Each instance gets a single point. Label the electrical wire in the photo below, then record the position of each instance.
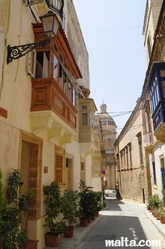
(107, 30)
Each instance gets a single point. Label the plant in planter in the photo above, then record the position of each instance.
(154, 202)
(70, 210)
(56, 225)
(12, 213)
(96, 203)
(99, 201)
(162, 215)
(85, 203)
(92, 204)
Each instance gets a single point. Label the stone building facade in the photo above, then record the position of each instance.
(41, 95)
(143, 133)
(131, 171)
(153, 32)
(107, 138)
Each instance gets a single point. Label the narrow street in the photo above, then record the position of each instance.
(122, 219)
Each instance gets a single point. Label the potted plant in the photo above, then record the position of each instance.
(12, 213)
(154, 203)
(162, 215)
(55, 224)
(95, 204)
(92, 204)
(85, 203)
(70, 210)
(99, 202)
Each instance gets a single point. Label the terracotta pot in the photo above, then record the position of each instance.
(153, 213)
(162, 220)
(97, 214)
(1, 242)
(51, 240)
(70, 232)
(89, 219)
(84, 222)
(32, 244)
(93, 217)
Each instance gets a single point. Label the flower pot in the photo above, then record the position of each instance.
(70, 232)
(51, 240)
(1, 242)
(93, 217)
(89, 219)
(162, 220)
(84, 222)
(97, 214)
(32, 244)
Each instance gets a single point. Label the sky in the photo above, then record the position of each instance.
(115, 44)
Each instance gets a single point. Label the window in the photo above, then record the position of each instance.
(154, 94)
(51, 63)
(127, 157)
(32, 63)
(84, 119)
(42, 64)
(154, 173)
(140, 147)
(130, 155)
(82, 173)
(58, 168)
(163, 88)
(55, 68)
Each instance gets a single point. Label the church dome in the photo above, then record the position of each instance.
(103, 115)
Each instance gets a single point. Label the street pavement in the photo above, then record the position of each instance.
(119, 219)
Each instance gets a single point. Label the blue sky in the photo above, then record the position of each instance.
(112, 32)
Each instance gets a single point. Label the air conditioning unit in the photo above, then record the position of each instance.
(32, 2)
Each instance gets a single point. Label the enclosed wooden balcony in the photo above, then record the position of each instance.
(157, 96)
(51, 110)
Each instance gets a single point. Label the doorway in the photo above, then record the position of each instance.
(30, 167)
(68, 173)
(163, 176)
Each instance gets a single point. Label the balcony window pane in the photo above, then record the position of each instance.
(84, 119)
(162, 73)
(157, 92)
(163, 88)
(55, 68)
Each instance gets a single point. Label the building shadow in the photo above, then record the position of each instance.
(117, 229)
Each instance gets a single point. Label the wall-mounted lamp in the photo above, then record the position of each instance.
(50, 24)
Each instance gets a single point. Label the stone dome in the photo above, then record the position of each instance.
(104, 114)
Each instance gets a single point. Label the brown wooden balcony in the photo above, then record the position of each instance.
(47, 95)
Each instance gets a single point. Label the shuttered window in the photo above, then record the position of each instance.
(58, 168)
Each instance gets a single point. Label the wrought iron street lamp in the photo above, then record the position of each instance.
(50, 24)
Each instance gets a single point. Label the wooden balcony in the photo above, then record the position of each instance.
(159, 121)
(51, 109)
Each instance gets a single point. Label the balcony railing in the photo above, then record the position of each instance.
(47, 95)
(43, 6)
(56, 6)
